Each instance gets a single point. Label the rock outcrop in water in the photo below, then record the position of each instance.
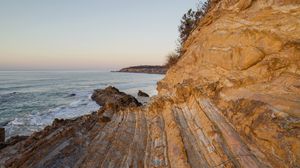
(232, 100)
(142, 94)
(112, 95)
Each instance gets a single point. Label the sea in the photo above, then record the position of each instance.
(31, 100)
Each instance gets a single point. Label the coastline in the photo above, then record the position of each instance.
(235, 105)
(109, 98)
(38, 106)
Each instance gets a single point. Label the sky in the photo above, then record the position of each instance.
(88, 34)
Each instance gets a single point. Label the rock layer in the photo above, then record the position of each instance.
(232, 100)
(2, 135)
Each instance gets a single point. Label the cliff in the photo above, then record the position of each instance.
(232, 100)
(145, 69)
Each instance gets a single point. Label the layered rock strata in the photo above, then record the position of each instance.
(232, 100)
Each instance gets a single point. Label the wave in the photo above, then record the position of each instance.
(32, 100)
(28, 124)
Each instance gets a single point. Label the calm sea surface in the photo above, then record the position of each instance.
(31, 100)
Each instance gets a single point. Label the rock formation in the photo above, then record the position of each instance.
(142, 94)
(112, 95)
(232, 100)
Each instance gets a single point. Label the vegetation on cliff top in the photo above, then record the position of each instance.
(188, 23)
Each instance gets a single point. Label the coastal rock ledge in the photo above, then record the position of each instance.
(232, 100)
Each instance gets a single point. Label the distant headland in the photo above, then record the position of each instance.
(150, 69)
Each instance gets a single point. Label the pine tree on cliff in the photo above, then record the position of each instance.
(187, 25)
(189, 22)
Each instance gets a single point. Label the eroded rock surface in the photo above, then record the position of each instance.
(232, 100)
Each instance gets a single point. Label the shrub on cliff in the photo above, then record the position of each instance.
(172, 59)
(188, 23)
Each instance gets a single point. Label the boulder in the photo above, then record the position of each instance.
(72, 95)
(142, 94)
(112, 95)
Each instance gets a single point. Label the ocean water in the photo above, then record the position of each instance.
(31, 100)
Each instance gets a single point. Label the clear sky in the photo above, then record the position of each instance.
(87, 34)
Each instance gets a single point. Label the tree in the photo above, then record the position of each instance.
(189, 22)
(187, 25)
(172, 59)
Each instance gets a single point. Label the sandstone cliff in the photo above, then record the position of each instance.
(232, 100)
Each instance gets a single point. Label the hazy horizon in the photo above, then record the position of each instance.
(93, 35)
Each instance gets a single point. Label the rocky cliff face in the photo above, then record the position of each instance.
(233, 100)
(238, 85)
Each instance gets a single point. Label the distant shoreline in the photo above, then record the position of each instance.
(149, 69)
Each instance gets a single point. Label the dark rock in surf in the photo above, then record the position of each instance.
(114, 97)
(71, 95)
(142, 94)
